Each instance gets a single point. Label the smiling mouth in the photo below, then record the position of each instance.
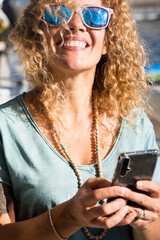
(72, 44)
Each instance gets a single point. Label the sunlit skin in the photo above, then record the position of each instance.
(73, 62)
(81, 51)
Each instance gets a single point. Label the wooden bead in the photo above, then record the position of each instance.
(88, 234)
(62, 148)
(85, 229)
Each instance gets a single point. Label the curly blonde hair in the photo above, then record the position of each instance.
(120, 79)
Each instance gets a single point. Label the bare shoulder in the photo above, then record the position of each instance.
(7, 214)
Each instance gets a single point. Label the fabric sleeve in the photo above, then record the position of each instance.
(4, 173)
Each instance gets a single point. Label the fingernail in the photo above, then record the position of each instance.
(140, 184)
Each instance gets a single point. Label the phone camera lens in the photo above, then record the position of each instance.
(125, 168)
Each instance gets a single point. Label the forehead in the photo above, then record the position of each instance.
(79, 3)
(89, 2)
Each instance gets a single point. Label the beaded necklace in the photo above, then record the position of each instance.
(62, 149)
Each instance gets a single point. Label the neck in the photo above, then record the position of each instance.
(78, 92)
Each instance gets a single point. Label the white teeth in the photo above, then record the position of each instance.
(75, 44)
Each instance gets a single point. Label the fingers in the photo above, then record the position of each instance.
(97, 195)
(107, 209)
(148, 202)
(84, 203)
(95, 183)
(113, 220)
(144, 214)
(129, 218)
(97, 189)
(138, 217)
(144, 217)
(149, 186)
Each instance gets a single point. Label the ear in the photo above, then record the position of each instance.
(104, 50)
(105, 47)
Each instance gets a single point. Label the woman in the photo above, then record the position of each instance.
(60, 141)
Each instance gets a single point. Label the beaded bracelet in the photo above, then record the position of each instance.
(52, 225)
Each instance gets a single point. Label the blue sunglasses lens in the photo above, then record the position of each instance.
(95, 17)
(57, 17)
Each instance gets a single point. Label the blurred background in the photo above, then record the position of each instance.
(145, 12)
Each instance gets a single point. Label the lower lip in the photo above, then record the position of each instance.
(75, 48)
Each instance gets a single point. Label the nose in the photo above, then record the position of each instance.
(76, 23)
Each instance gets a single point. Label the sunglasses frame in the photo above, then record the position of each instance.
(79, 12)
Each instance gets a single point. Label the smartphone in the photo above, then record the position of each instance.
(134, 166)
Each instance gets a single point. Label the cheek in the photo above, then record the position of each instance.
(53, 31)
(100, 40)
(51, 35)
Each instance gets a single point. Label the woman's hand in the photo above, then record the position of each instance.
(86, 212)
(150, 211)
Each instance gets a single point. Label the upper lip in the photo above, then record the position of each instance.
(74, 38)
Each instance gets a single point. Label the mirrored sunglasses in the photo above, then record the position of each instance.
(92, 17)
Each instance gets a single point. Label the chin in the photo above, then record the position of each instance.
(73, 67)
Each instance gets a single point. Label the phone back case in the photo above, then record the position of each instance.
(134, 166)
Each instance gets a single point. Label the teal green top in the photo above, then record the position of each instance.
(41, 178)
